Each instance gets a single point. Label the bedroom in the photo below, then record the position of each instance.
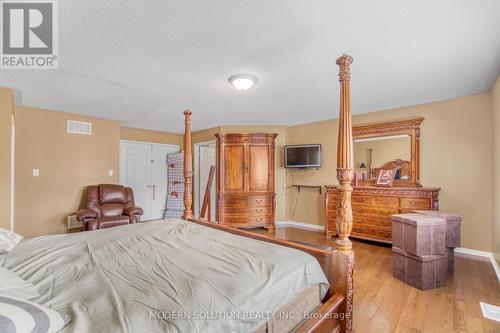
(132, 70)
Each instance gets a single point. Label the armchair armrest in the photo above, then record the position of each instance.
(133, 211)
(86, 214)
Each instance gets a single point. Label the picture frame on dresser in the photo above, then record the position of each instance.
(386, 177)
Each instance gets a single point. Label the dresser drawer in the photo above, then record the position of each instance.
(372, 220)
(361, 199)
(250, 211)
(237, 220)
(375, 210)
(259, 200)
(250, 200)
(415, 203)
(386, 201)
(365, 209)
(373, 233)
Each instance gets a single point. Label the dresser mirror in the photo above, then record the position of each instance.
(388, 145)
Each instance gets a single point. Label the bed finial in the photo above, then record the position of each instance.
(345, 157)
(188, 167)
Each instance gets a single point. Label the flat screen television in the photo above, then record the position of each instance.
(303, 156)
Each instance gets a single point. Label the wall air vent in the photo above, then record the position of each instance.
(79, 127)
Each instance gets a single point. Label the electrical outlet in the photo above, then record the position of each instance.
(110, 172)
(36, 172)
(73, 222)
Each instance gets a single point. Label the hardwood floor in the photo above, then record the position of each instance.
(382, 303)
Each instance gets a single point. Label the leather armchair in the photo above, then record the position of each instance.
(107, 206)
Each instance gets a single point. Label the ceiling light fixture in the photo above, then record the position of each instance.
(243, 81)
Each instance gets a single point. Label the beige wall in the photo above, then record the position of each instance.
(137, 134)
(67, 163)
(456, 154)
(280, 174)
(457, 145)
(496, 169)
(205, 135)
(5, 152)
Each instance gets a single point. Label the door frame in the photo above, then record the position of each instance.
(177, 147)
(196, 174)
(150, 143)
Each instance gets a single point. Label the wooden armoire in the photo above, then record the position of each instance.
(245, 179)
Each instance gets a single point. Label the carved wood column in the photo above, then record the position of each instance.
(343, 257)
(345, 157)
(188, 168)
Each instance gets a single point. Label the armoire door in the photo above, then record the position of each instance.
(260, 168)
(234, 168)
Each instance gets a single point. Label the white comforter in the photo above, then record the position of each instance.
(163, 276)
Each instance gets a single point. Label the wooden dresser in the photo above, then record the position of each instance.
(245, 179)
(373, 206)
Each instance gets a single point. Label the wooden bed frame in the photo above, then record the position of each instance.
(335, 315)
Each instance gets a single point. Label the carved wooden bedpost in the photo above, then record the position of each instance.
(343, 264)
(345, 157)
(188, 168)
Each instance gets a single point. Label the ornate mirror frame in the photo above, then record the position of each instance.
(410, 127)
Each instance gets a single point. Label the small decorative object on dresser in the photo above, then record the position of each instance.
(394, 146)
(386, 177)
(245, 179)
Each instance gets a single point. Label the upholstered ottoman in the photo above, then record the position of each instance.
(419, 234)
(453, 222)
(421, 272)
(450, 259)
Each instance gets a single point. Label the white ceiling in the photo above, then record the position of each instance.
(144, 62)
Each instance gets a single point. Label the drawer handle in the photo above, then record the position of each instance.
(258, 220)
(259, 210)
(259, 200)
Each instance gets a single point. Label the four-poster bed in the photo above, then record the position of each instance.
(166, 275)
(335, 315)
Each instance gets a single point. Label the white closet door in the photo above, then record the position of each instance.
(135, 172)
(207, 159)
(159, 178)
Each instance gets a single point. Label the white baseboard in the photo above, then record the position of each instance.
(481, 254)
(299, 225)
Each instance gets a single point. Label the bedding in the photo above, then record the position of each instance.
(8, 240)
(163, 276)
(13, 286)
(21, 316)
